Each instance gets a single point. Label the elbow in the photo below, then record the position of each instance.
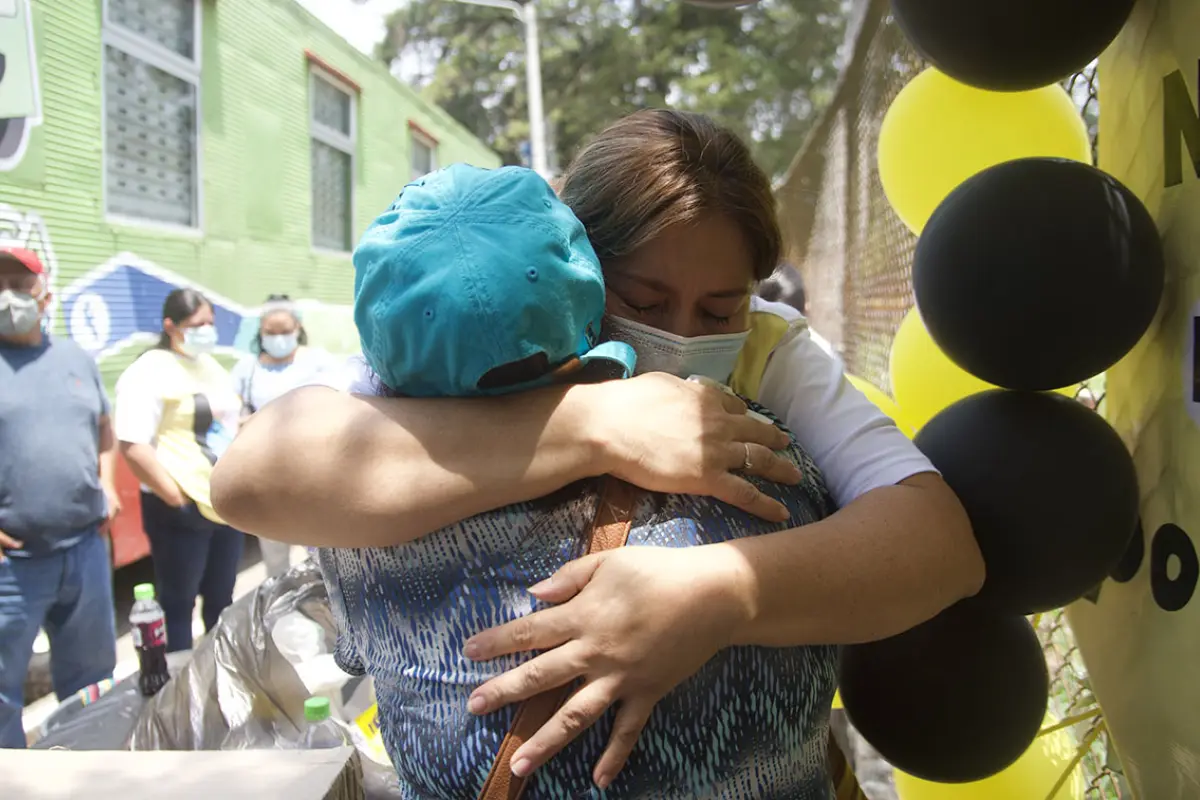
(968, 567)
(258, 469)
(227, 494)
(974, 570)
(963, 568)
(233, 493)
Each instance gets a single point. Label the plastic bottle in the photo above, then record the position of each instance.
(322, 732)
(148, 627)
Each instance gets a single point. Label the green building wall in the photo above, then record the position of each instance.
(254, 236)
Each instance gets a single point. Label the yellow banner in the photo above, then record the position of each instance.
(1140, 637)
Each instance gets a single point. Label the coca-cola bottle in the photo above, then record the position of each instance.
(148, 627)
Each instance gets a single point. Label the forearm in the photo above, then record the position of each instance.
(108, 458)
(144, 464)
(320, 467)
(888, 561)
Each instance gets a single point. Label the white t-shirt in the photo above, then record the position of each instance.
(855, 445)
(258, 384)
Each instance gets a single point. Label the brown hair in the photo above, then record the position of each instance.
(660, 167)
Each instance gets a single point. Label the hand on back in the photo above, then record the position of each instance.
(666, 434)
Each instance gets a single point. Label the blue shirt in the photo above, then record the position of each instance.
(752, 723)
(51, 402)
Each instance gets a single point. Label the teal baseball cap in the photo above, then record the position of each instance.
(479, 282)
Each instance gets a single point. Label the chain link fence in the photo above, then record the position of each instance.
(856, 259)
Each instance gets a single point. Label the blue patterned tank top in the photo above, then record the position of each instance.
(751, 723)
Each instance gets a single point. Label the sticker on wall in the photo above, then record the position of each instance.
(20, 98)
(120, 303)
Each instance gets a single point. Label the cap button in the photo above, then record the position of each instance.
(532, 274)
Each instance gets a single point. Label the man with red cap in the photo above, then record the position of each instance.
(56, 495)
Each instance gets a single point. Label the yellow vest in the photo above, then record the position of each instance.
(767, 330)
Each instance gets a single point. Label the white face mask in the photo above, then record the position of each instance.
(683, 356)
(280, 345)
(19, 313)
(201, 339)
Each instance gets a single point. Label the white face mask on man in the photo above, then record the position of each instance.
(683, 356)
(19, 313)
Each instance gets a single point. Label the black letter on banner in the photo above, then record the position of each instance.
(1173, 594)
(1179, 120)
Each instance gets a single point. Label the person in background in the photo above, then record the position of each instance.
(56, 495)
(280, 360)
(786, 285)
(176, 412)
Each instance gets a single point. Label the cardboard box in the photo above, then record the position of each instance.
(200, 775)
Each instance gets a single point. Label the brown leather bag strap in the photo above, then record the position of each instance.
(610, 529)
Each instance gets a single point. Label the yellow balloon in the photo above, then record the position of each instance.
(924, 379)
(939, 132)
(885, 404)
(1030, 778)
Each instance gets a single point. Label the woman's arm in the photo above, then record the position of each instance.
(136, 417)
(638, 621)
(321, 467)
(887, 562)
(144, 464)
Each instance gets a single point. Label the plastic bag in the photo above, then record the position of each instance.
(244, 687)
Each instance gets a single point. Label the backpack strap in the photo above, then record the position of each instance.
(610, 529)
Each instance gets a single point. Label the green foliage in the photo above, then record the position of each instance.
(765, 70)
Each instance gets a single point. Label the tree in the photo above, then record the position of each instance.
(765, 70)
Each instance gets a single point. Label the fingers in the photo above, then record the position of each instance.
(733, 404)
(751, 430)
(740, 493)
(632, 716)
(764, 463)
(540, 630)
(578, 714)
(9, 543)
(549, 670)
(569, 580)
(729, 401)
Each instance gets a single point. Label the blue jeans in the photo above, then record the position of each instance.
(69, 594)
(193, 557)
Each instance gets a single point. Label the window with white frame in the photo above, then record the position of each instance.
(151, 110)
(424, 152)
(331, 124)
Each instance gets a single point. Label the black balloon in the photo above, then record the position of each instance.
(1038, 273)
(1011, 45)
(1050, 490)
(956, 699)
